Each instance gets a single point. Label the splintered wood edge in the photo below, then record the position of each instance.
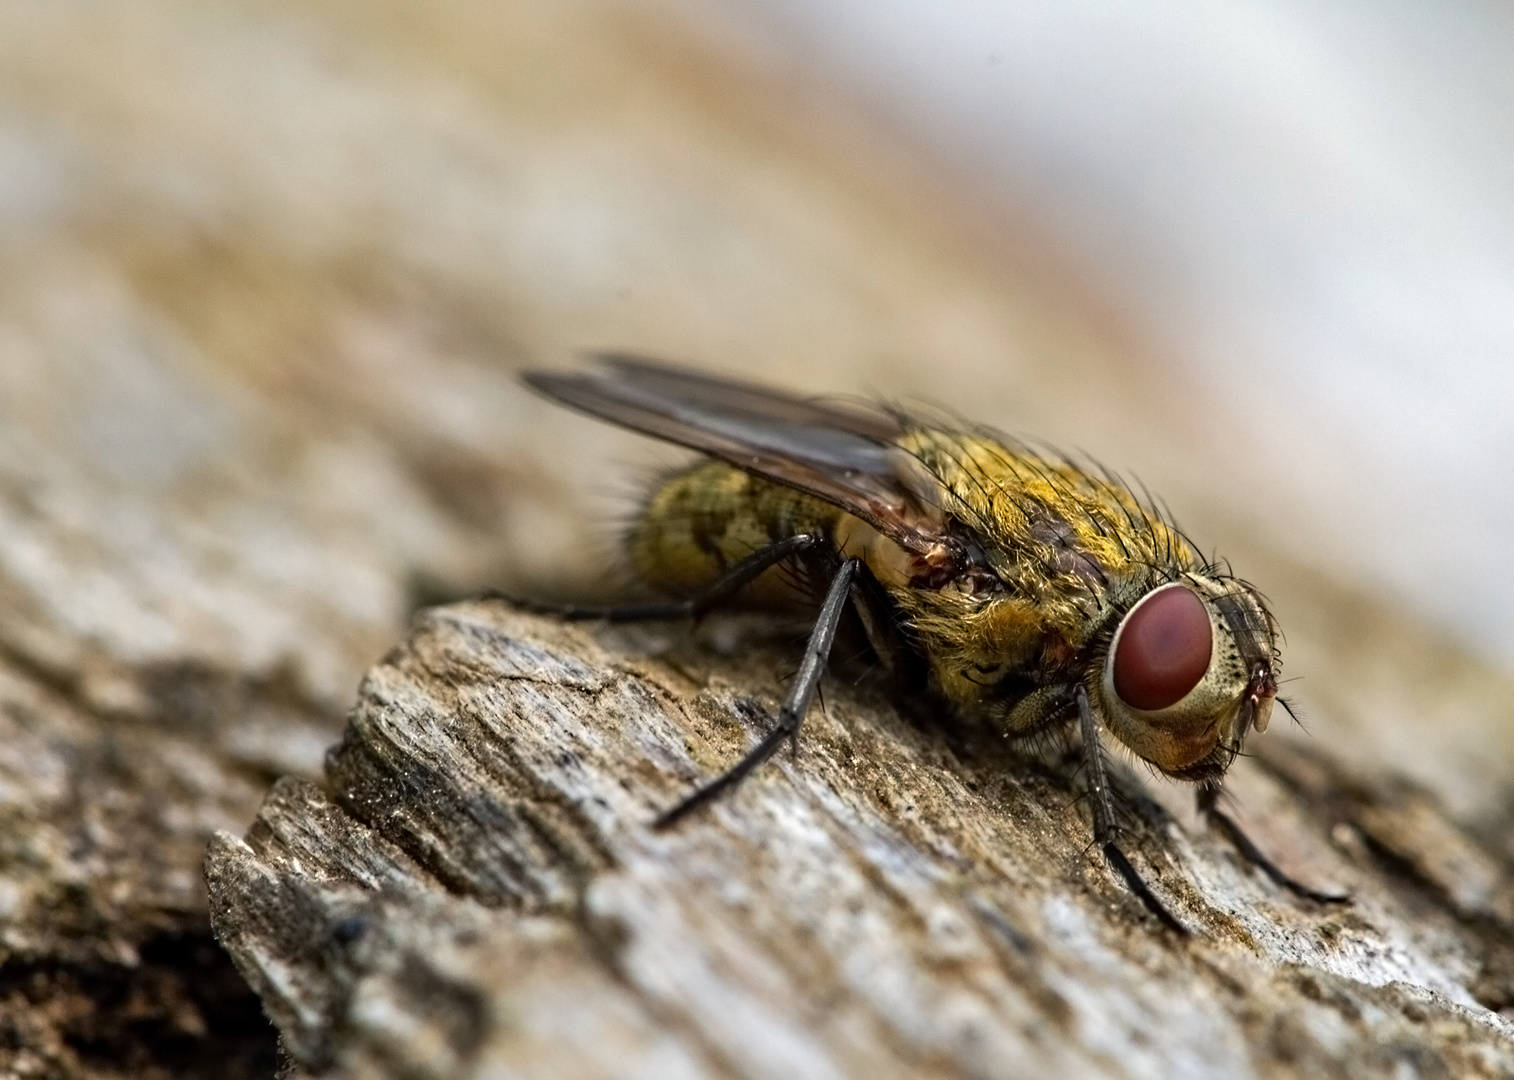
(477, 873)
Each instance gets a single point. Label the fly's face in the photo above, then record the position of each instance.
(1190, 670)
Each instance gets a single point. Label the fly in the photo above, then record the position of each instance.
(1021, 590)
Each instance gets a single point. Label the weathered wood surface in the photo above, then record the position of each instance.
(474, 891)
(267, 274)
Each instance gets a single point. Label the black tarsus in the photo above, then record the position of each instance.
(712, 595)
(1208, 806)
(1121, 864)
(795, 705)
(1104, 827)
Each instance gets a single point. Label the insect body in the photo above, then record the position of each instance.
(1023, 591)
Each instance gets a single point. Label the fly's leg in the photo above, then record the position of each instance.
(795, 705)
(711, 596)
(1104, 828)
(1208, 805)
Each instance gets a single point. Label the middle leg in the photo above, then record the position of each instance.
(795, 705)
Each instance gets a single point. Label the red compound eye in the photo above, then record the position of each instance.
(1164, 649)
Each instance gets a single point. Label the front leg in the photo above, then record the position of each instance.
(1104, 828)
(1208, 807)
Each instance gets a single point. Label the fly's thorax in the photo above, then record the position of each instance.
(1040, 520)
(1189, 670)
(699, 522)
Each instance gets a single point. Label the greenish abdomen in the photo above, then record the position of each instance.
(701, 522)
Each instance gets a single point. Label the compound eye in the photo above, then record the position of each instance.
(1164, 649)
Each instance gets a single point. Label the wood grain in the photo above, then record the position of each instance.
(475, 891)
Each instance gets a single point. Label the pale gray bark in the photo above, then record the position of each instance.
(475, 891)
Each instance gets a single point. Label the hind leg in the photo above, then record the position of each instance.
(711, 596)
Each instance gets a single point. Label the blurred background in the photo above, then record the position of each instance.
(1309, 210)
(267, 271)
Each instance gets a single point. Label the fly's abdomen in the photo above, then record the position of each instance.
(700, 522)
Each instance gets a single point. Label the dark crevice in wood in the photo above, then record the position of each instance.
(181, 1012)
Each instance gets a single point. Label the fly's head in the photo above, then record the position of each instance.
(1189, 671)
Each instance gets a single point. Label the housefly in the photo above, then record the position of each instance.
(1021, 590)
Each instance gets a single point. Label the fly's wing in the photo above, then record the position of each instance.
(846, 457)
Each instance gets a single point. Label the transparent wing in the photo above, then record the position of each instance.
(845, 456)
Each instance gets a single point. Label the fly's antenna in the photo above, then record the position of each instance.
(1288, 708)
